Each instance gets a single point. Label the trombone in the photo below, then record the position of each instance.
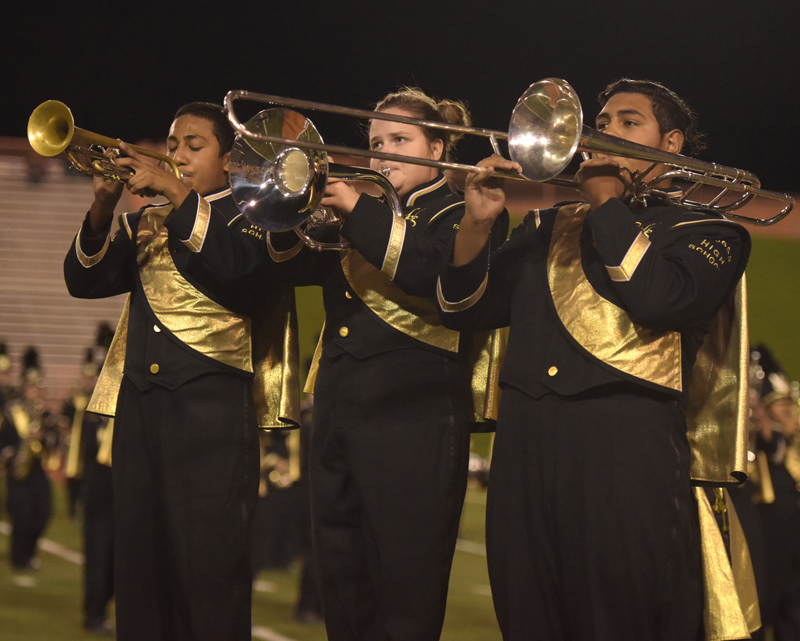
(278, 185)
(545, 132)
(51, 130)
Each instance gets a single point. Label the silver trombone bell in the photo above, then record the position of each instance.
(278, 186)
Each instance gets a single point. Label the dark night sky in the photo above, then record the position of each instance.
(124, 69)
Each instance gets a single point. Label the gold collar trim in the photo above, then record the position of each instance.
(425, 190)
(217, 195)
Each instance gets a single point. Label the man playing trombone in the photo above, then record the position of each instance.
(592, 526)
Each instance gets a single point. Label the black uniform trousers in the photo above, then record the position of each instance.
(185, 468)
(388, 462)
(98, 542)
(592, 531)
(29, 507)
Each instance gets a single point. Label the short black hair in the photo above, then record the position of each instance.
(217, 116)
(670, 110)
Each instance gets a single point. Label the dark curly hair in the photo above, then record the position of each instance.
(217, 116)
(670, 110)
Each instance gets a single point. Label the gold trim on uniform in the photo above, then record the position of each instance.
(74, 467)
(106, 391)
(220, 194)
(106, 441)
(90, 261)
(415, 316)
(460, 306)
(200, 229)
(703, 221)
(194, 319)
(637, 250)
(600, 327)
(446, 209)
(311, 379)
(276, 354)
(537, 218)
(718, 396)
(208, 328)
(285, 255)
(395, 246)
(127, 224)
(730, 602)
(413, 197)
(486, 360)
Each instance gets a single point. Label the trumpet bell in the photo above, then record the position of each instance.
(277, 186)
(545, 129)
(50, 128)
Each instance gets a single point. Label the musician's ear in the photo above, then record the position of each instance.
(672, 141)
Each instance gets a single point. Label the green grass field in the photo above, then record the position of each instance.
(50, 608)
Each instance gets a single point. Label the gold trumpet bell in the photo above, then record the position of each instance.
(50, 128)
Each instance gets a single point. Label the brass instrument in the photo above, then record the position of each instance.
(545, 132)
(29, 427)
(278, 187)
(51, 130)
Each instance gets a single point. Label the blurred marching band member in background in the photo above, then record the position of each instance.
(28, 437)
(777, 475)
(89, 470)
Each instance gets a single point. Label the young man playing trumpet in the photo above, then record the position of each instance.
(179, 381)
(592, 525)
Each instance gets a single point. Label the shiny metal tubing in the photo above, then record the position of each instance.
(240, 94)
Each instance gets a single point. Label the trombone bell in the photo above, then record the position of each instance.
(545, 129)
(276, 187)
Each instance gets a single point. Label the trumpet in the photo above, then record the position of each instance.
(51, 130)
(545, 133)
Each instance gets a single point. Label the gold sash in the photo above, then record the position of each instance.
(414, 316)
(209, 329)
(417, 317)
(717, 406)
(600, 327)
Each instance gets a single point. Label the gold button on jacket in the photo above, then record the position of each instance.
(154, 368)
(552, 371)
(343, 331)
